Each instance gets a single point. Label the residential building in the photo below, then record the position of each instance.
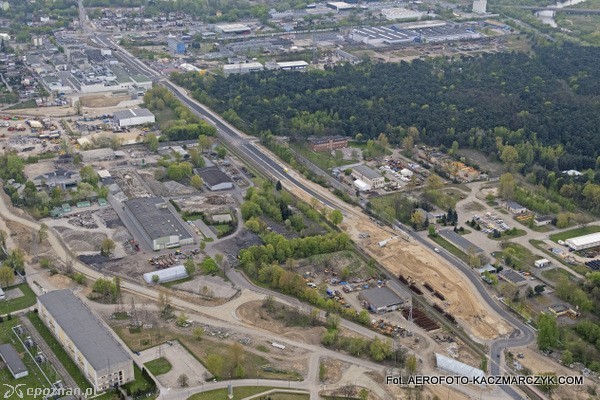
(133, 117)
(368, 176)
(327, 143)
(86, 339)
(214, 179)
(383, 299)
(159, 226)
(13, 362)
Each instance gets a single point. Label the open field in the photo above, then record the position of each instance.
(452, 249)
(556, 274)
(101, 101)
(519, 256)
(21, 106)
(57, 349)
(584, 230)
(323, 160)
(27, 300)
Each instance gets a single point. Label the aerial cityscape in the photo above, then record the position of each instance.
(300, 200)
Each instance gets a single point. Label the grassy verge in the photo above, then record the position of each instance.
(140, 383)
(556, 274)
(505, 235)
(323, 160)
(27, 300)
(23, 105)
(59, 352)
(584, 230)
(384, 206)
(238, 393)
(159, 366)
(450, 248)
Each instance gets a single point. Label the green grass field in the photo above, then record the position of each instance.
(34, 380)
(504, 235)
(522, 257)
(584, 230)
(60, 353)
(159, 366)
(26, 104)
(323, 160)
(140, 383)
(27, 300)
(245, 391)
(450, 248)
(556, 274)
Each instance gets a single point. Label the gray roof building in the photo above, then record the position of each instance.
(383, 299)
(214, 178)
(85, 330)
(154, 219)
(12, 360)
(366, 172)
(133, 112)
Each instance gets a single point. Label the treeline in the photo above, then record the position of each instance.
(186, 125)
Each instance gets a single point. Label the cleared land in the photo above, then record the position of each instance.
(243, 392)
(102, 101)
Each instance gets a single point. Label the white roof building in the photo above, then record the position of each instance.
(167, 275)
(456, 367)
(361, 185)
(584, 242)
(133, 116)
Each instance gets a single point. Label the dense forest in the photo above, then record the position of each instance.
(550, 101)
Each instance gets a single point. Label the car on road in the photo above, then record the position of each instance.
(436, 249)
(137, 353)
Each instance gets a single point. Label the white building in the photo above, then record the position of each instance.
(166, 275)
(541, 263)
(133, 116)
(242, 68)
(360, 185)
(480, 6)
(584, 242)
(369, 176)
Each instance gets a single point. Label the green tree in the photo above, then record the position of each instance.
(16, 260)
(547, 332)
(151, 141)
(380, 350)
(204, 142)
(562, 220)
(417, 218)
(107, 247)
(190, 266)
(506, 188)
(567, 358)
(509, 156)
(411, 364)
(215, 363)
(42, 233)
(197, 182)
(7, 276)
(198, 333)
(89, 175)
(433, 182)
(336, 217)
(333, 321)
(155, 279)
(549, 385)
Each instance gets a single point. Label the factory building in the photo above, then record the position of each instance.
(159, 226)
(371, 177)
(242, 68)
(237, 29)
(215, 179)
(584, 242)
(383, 299)
(86, 339)
(133, 117)
(176, 46)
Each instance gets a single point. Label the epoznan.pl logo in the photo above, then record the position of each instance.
(13, 390)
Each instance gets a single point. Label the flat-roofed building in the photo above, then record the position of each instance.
(13, 362)
(584, 242)
(369, 176)
(383, 299)
(133, 117)
(214, 179)
(86, 339)
(242, 68)
(327, 143)
(233, 29)
(159, 226)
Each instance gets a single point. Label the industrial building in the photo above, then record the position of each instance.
(541, 263)
(514, 207)
(327, 143)
(242, 68)
(288, 65)
(513, 277)
(133, 117)
(382, 35)
(159, 226)
(340, 5)
(382, 299)
(176, 46)
(237, 29)
(371, 177)
(166, 275)
(86, 339)
(214, 179)
(105, 154)
(13, 362)
(584, 242)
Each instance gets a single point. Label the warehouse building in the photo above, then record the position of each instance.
(13, 362)
(382, 299)
(86, 339)
(106, 154)
(229, 29)
(242, 68)
(371, 177)
(584, 242)
(159, 226)
(456, 367)
(287, 65)
(327, 143)
(166, 275)
(133, 117)
(176, 46)
(215, 179)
